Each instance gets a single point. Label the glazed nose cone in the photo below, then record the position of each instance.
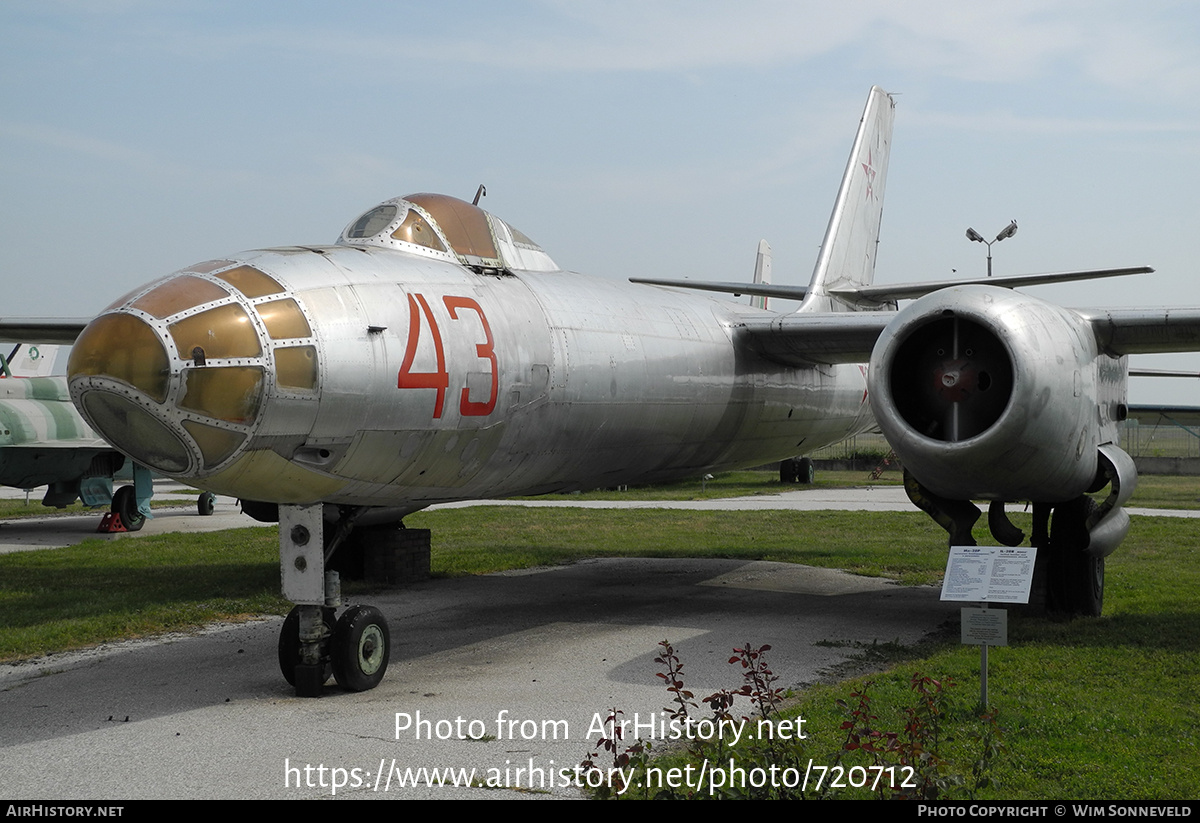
(127, 372)
(174, 377)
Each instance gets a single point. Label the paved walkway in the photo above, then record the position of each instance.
(51, 531)
(862, 498)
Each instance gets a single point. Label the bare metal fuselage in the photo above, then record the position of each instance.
(435, 382)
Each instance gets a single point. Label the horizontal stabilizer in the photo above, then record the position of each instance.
(41, 330)
(1163, 373)
(736, 289)
(902, 291)
(883, 294)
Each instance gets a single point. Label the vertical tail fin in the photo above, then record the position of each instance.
(762, 272)
(847, 254)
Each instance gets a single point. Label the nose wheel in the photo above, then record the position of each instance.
(354, 650)
(360, 648)
(289, 645)
(206, 503)
(312, 646)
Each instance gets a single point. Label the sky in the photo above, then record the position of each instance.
(629, 138)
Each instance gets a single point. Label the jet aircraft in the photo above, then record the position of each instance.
(437, 353)
(44, 441)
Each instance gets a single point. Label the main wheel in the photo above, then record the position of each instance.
(806, 471)
(205, 503)
(788, 471)
(1078, 586)
(124, 503)
(1076, 577)
(360, 648)
(289, 644)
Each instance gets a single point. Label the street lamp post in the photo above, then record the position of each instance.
(1007, 231)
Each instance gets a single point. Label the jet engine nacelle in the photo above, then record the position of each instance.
(986, 393)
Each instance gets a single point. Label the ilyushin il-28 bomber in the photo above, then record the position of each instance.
(436, 353)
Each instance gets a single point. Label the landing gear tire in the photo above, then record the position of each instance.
(289, 644)
(787, 471)
(205, 503)
(124, 503)
(1076, 584)
(360, 648)
(806, 471)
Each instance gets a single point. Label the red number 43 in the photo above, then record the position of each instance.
(440, 379)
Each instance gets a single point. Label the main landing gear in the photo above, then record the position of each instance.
(354, 649)
(1072, 539)
(1072, 570)
(359, 648)
(797, 470)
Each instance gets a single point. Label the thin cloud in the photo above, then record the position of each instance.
(1008, 122)
(1150, 50)
(84, 145)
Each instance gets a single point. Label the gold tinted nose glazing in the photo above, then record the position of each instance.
(176, 375)
(225, 331)
(123, 348)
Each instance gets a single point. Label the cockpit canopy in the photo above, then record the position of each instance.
(437, 225)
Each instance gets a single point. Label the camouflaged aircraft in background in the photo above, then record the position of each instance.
(44, 441)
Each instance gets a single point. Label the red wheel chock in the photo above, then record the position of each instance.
(111, 522)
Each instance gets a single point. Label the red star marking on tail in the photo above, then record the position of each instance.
(870, 172)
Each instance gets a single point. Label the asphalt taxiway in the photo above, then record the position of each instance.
(532, 658)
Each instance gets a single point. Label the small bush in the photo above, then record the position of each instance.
(765, 755)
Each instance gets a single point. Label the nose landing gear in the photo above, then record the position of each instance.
(356, 648)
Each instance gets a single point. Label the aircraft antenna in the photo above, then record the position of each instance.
(479, 192)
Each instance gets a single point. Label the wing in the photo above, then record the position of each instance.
(42, 329)
(806, 339)
(1144, 331)
(850, 337)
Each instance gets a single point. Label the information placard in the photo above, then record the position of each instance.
(989, 574)
(984, 627)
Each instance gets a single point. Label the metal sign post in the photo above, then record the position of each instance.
(987, 574)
